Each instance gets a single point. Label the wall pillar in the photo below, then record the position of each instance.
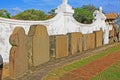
(106, 36)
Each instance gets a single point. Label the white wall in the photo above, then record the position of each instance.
(62, 23)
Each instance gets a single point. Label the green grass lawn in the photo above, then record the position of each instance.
(56, 73)
(112, 73)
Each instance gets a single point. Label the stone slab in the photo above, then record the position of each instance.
(61, 45)
(98, 38)
(89, 41)
(40, 44)
(18, 59)
(75, 42)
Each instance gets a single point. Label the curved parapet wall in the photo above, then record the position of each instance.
(62, 23)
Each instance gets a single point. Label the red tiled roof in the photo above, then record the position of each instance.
(111, 16)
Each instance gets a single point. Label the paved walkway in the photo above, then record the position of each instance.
(92, 69)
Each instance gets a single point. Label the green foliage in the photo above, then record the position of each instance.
(4, 13)
(31, 14)
(51, 12)
(84, 14)
(89, 8)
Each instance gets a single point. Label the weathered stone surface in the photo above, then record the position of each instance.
(61, 45)
(119, 37)
(111, 36)
(75, 42)
(12, 62)
(30, 44)
(52, 46)
(98, 38)
(40, 44)
(14, 40)
(89, 41)
(18, 59)
(29, 50)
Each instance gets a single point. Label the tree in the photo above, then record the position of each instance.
(4, 13)
(89, 8)
(52, 12)
(31, 14)
(84, 14)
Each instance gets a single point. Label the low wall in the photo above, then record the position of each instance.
(36, 48)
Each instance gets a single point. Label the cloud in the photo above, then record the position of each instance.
(16, 9)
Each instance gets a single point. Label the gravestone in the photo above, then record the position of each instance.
(18, 59)
(39, 38)
(89, 41)
(61, 46)
(75, 42)
(98, 38)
